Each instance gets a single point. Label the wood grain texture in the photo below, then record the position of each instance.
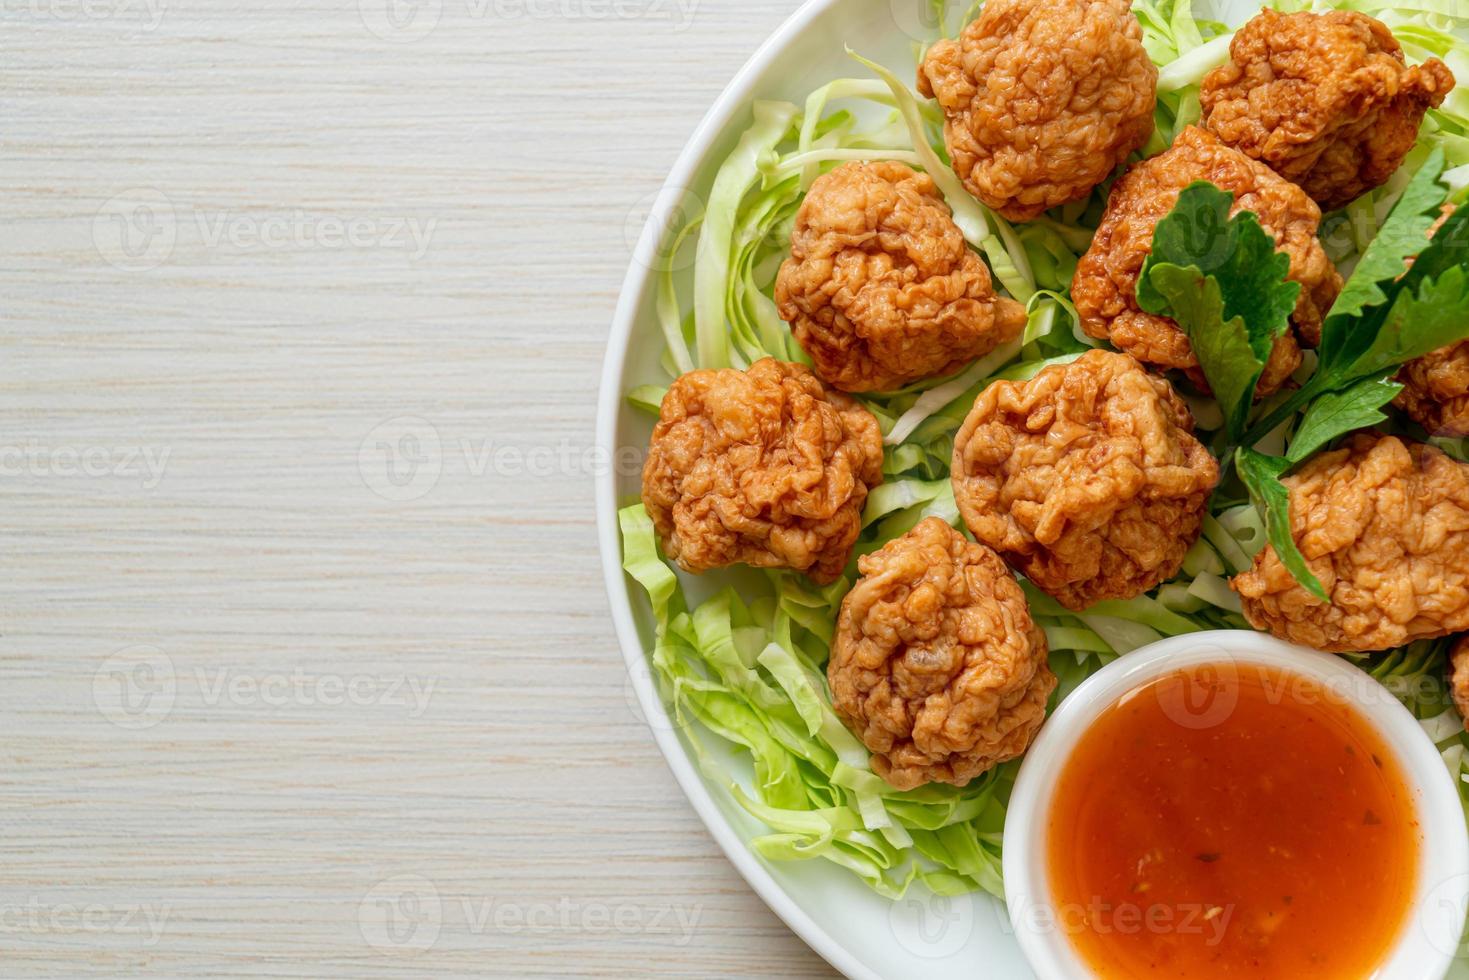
(305, 663)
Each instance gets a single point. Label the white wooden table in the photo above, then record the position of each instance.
(305, 664)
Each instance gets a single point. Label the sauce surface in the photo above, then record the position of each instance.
(1224, 823)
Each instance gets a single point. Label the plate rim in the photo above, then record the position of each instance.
(733, 99)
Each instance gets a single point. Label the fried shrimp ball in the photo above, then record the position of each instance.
(766, 467)
(1436, 390)
(881, 289)
(1326, 100)
(1459, 678)
(1042, 99)
(1384, 525)
(1105, 285)
(937, 665)
(1087, 478)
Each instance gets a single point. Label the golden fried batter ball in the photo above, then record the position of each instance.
(1087, 478)
(937, 665)
(1436, 390)
(1105, 284)
(1326, 100)
(1384, 524)
(1042, 99)
(766, 467)
(1459, 678)
(880, 289)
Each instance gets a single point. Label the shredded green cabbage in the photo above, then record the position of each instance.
(746, 667)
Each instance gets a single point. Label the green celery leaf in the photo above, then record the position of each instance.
(1403, 234)
(1429, 310)
(1222, 346)
(1434, 315)
(1340, 412)
(1222, 280)
(1261, 474)
(1348, 336)
(1199, 232)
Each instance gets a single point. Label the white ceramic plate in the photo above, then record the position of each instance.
(858, 932)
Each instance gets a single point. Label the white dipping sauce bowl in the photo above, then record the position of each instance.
(1430, 937)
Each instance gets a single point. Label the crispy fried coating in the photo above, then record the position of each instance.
(1436, 390)
(1042, 99)
(765, 467)
(1326, 100)
(1087, 478)
(1105, 284)
(881, 289)
(1459, 677)
(1384, 525)
(937, 665)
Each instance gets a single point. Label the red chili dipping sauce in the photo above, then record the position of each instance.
(1232, 822)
